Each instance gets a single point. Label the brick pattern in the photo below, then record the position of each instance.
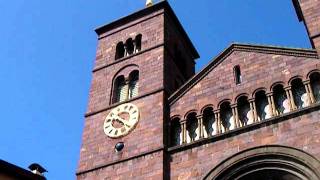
(258, 71)
(97, 149)
(146, 167)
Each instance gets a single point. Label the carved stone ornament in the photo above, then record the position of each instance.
(121, 120)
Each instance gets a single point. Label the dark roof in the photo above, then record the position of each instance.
(309, 53)
(161, 5)
(14, 171)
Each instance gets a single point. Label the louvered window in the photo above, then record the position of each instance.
(125, 90)
(122, 95)
(133, 91)
(133, 84)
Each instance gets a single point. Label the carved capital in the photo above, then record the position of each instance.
(306, 82)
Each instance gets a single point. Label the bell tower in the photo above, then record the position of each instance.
(141, 60)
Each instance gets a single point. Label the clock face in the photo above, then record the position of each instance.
(121, 120)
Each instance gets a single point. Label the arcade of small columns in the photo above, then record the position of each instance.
(280, 100)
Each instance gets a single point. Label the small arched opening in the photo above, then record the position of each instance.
(300, 96)
(226, 115)
(138, 43)
(129, 47)
(120, 50)
(315, 85)
(264, 110)
(246, 116)
(282, 102)
(175, 132)
(193, 130)
(209, 123)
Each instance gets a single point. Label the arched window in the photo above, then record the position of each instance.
(264, 110)
(299, 93)
(237, 74)
(282, 103)
(209, 123)
(120, 50)
(245, 114)
(126, 89)
(138, 43)
(120, 89)
(315, 85)
(192, 128)
(175, 132)
(133, 84)
(130, 47)
(227, 118)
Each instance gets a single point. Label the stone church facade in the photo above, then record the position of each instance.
(251, 113)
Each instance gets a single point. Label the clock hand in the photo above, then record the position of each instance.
(121, 120)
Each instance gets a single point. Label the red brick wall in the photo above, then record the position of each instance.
(301, 132)
(259, 70)
(146, 167)
(97, 149)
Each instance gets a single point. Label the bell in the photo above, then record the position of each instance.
(149, 3)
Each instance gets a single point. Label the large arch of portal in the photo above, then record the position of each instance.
(268, 163)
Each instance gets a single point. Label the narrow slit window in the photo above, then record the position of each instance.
(130, 47)
(138, 43)
(237, 74)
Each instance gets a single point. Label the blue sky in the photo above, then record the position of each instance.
(47, 50)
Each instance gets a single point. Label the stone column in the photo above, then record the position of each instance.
(134, 46)
(200, 124)
(308, 88)
(183, 124)
(218, 123)
(253, 109)
(275, 112)
(235, 114)
(290, 97)
(270, 97)
(125, 50)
